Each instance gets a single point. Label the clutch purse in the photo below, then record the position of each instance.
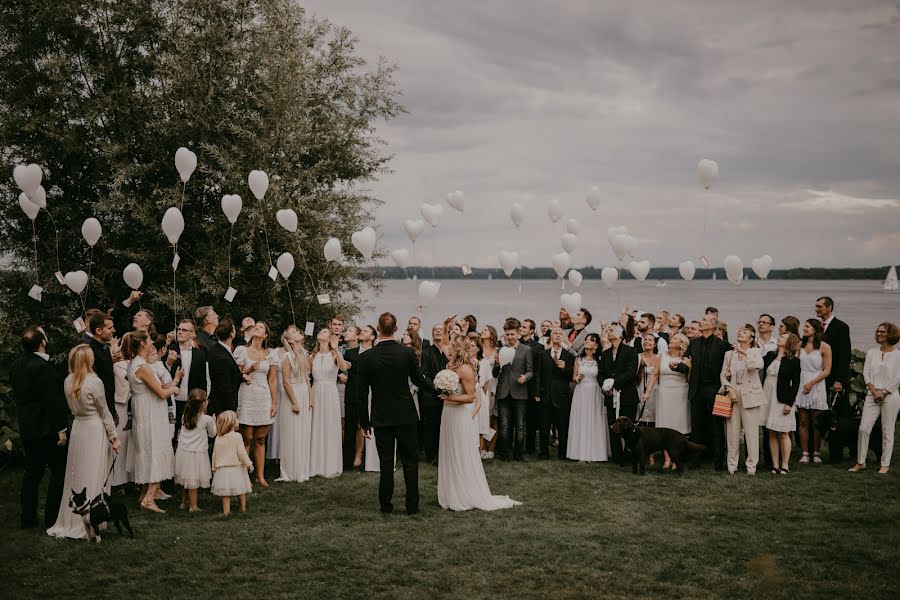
(722, 407)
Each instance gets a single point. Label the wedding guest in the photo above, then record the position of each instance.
(619, 363)
(544, 340)
(766, 341)
(415, 324)
(160, 363)
(192, 464)
(326, 457)
(676, 324)
(296, 408)
(780, 388)
(629, 330)
(43, 419)
(722, 331)
(815, 366)
(258, 400)
(191, 360)
(225, 376)
(472, 323)
(579, 330)
(647, 324)
(247, 326)
(434, 360)
(740, 378)
(661, 327)
(512, 393)
(882, 376)
(273, 439)
(207, 319)
(789, 324)
(92, 443)
(101, 342)
(351, 409)
(692, 331)
(673, 411)
(837, 334)
(154, 460)
(532, 413)
(588, 433)
(648, 366)
(565, 320)
(230, 463)
(705, 356)
(412, 340)
(489, 347)
(120, 475)
(482, 380)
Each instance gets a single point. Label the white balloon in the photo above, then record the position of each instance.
(507, 355)
(762, 266)
(287, 218)
(173, 224)
(631, 244)
(428, 291)
(259, 183)
(91, 231)
(569, 242)
(555, 210)
(614, 231)
(575, 278)
(708, 171)
(593, 198)
(401, 257)
(517, 214)
(413, 228)
(231, 206)
(28, 177)
(687, 270)
(571, 302)
(29, 208)
(364, 241)
(640, 269)
(456, 200)
(133, 276)
(734, 268)
(561, 263)
(76, 281)
(609, 276)
(573, 226)
(185, 163)
(509, 260)
(39, 197)
(332, 249)
(620, 245)
(285, 264)
(432, 213)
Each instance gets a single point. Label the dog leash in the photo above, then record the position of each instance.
(115, 456)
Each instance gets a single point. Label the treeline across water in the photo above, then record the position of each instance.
(656, 273)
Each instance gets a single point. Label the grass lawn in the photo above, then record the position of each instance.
(583, 531)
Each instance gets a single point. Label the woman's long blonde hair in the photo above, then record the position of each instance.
(458, 353)
(81, 364)
(296, 355)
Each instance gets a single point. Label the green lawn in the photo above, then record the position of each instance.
(583, 531)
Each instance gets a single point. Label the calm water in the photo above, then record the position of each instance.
(861, 304)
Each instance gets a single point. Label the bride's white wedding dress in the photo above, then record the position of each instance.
(461, 481)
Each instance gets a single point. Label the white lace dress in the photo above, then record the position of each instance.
(588, 429)
(151, 453)
(672, 407)
(326, 455)
(294, 429)
(273, 439)
(255, 399)
(810, 367)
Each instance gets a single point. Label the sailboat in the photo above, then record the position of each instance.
(890, 282)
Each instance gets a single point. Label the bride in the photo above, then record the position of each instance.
(461, 481)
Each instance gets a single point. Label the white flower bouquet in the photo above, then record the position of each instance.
(447, 382)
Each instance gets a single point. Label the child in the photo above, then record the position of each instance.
(230, 463)
(192, 467)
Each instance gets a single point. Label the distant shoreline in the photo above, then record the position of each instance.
(656, 273)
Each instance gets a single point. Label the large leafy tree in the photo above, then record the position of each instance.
(101, 93)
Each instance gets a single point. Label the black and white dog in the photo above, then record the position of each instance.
(100, 511)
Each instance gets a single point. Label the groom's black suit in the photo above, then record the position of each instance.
(387, 370)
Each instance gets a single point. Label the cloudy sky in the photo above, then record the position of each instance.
(525, 101)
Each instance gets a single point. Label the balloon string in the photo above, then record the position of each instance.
(291, 300)
(174, 292)
(703, 237)
(90, 268)
(230, 236)
(302, 255)
(34, 239)
(56, 234)
(181, 204)
(433, 252)
(265, 234)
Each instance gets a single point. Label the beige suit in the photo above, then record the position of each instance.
(742, 375)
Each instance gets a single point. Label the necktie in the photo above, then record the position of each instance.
(555, 356)
(824, 325)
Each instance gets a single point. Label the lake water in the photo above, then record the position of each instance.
(861, 304)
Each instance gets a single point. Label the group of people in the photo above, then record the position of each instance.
(146, 407)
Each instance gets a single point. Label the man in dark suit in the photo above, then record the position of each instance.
(512, 393)
(353, 399)
(619, 362)
(415, 324)
(190, 357)
(387, 370)
(433, 362)
(554, 392)
(707, 353)
(101, 328)
(43, 418)
(527, 336)
(225, 377)
(837, 334)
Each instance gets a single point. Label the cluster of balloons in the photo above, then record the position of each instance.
(33, 197)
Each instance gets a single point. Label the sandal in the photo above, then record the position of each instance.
(776, 471)
(784, 471)
(883, 470)
(151, 506)
(856, 468)
(804, 460)
(817, 458)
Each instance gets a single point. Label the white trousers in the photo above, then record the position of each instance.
(887, 410)
(748, 419)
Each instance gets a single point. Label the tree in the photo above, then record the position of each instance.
(101, 94)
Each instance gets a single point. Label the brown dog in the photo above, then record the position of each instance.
(644, 441)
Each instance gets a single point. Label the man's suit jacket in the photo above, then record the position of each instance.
(352, 396)
(207, 341)
(433, 362)
(536, 349)
(623, 371)
(40, 400)
(695, 351)
(196, 377)
(387, 370)
(578, 343)
(838, 337)
(103, 367)
(552, 384)
(225, 380)
(507, 376)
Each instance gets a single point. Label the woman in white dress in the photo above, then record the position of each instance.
(490, 347)
(673, 411)
(273, 439)
(154, 458)
(461, 481)
(123, 394)
(781, 387)
(258, 400)
(326, 453)
(91, 444)
(296, 409)
(588, 429)
(648, 366)
(815, 366)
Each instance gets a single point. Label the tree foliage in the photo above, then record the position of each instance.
(101, 93)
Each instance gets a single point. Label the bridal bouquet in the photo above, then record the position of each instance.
(447, 382)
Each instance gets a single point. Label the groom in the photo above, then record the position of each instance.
(387, 370)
